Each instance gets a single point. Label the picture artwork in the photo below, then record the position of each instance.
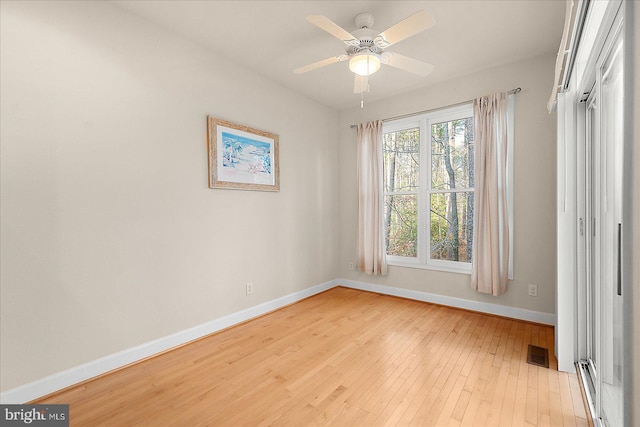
(241, 157)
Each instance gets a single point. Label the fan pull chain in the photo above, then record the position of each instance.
(361, 88)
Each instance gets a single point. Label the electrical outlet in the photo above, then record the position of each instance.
(533, 290)
(249, 288)
(352, 266)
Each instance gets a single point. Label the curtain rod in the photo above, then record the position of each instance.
(511, 92)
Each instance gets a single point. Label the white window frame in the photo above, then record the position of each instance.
(424, 122)
(395, 126)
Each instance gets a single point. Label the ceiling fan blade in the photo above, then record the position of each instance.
(407, 64)
(408, 27)
(361, 84)
(320, 64)
(334, 29)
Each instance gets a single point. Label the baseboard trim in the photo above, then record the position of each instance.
(488, 308)
(87, 371)
(78, 374)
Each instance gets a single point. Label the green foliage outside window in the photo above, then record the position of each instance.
(452, 157)
(402, 172)
(450, 197)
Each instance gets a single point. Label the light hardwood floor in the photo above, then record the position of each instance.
(342, 358)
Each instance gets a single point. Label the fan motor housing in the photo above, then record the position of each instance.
(366, 37)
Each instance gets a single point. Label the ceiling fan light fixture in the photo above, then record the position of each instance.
(364, 64)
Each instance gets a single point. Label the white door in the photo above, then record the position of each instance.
(604, 232)
(610, 83)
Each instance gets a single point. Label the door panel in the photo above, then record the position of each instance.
(611, 126)
(604, 120)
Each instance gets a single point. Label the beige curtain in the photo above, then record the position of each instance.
(371, 247)
(490, 259)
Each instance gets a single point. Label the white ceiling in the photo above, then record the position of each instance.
(273, 37)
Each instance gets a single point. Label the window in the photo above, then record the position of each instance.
(428, 189)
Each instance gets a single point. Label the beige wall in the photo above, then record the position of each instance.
(110, 236)
(535, 181)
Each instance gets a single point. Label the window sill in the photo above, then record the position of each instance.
(463, 269)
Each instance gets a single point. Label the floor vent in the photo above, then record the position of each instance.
(538, 356)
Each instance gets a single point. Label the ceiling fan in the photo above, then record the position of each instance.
(366, 47)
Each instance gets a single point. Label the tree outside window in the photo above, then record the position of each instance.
(428, 189)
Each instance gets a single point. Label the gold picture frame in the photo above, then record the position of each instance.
(241, 157)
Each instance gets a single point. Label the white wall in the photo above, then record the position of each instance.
(110, 236)
(535, 179)
(567, 249)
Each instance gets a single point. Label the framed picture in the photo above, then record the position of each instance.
(241, 157)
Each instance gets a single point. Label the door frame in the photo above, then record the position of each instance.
(587, 174)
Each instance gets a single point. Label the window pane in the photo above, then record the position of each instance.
(452, 151)
(452, 226)
(401, 219)
(401, 160)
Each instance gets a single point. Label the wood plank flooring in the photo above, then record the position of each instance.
(342, 358)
